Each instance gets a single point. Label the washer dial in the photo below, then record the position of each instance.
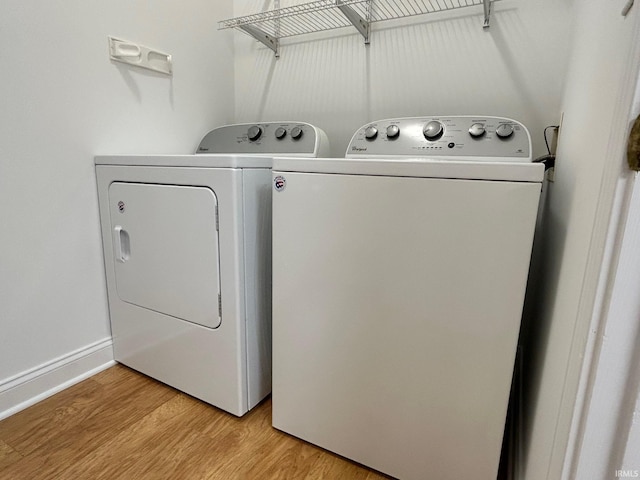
(393, 131)
(477, 130)
(504, 130)
(433, 130)
(280, 133)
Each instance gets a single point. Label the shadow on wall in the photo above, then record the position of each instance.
(534, 334)
(129, 74)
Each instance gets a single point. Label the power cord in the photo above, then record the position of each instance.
(549, 160)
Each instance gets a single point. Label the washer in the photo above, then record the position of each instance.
(187, 255)
(399, 276)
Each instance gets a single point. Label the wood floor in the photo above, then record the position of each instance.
(122, 425)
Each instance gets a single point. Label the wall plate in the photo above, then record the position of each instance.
(131, 53)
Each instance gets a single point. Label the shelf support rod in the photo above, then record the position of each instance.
(262, 37)
(276, 29)
(362, 25)
(487, 13)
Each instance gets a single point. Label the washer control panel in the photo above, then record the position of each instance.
(454, 136)
(261, 138)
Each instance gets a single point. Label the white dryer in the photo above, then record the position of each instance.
(399, 275)
(187, 250)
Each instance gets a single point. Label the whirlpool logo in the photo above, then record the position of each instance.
(358, 149)
(279, 183)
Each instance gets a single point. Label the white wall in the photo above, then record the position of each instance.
(601, 75)
(63, 102)
(436, 64)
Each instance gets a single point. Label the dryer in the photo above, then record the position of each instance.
(187, 251)
(399, 276)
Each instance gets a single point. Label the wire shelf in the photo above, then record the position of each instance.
(320, 15)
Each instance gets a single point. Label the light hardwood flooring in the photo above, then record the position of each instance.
(120, 424)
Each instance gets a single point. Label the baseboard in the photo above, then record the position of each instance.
(32, 386)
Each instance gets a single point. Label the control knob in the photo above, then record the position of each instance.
(370, 133)
(296, 133)
(477, 130)
(504, 131)
(280, 133)
(433, 130)
(393, 131)
(254, 133)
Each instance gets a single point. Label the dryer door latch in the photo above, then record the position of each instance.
(122, 244)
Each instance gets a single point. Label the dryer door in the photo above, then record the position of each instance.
(166, 250)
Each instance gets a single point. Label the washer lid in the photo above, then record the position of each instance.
(415, 167)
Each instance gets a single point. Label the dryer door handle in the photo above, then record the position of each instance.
(122, 244)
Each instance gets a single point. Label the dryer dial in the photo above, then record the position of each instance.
(254, 133)
(371, 133)
(280, 133)
(296, 133)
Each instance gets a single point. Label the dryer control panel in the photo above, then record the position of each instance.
(280, 138)
(493, 138)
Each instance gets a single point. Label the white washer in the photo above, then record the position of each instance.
(187, 255)
(399, 276)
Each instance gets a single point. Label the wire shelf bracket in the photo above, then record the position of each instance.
(270, 26)
(487, 13)
(363, 26)
(270, 41)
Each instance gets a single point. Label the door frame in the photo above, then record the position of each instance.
(591, 406)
